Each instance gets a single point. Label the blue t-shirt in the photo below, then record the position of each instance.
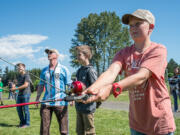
(58, 78)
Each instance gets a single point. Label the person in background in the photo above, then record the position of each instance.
(1, 91)
(23, 96)
(174, 88)
(10, 92)
(14, 85)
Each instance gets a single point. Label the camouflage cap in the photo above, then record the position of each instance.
(52, 50)
(141, 14)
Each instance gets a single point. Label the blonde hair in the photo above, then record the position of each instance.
(86, 50)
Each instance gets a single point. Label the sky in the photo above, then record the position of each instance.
(28, 27)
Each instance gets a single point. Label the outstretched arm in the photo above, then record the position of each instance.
(105, 78)
(134, 80)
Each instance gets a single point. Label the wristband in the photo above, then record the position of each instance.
(117, 89)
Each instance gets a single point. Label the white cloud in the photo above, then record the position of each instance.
(62, 57)
(43, 61)
(20, 45)
(16, 62)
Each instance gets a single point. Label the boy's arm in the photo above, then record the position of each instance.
(105, 78)
(130, 81)
(136, 79)
(25, 85)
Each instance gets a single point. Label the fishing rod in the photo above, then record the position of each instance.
(16, 67)
(67, 99)
(77, 88)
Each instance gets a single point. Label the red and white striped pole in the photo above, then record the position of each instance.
(30, 103)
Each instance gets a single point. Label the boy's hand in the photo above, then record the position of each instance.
(98, 95)
(91, 90)
(12, 89)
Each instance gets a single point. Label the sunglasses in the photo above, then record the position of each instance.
(50, 52)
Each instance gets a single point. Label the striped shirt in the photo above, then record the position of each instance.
(58, 78)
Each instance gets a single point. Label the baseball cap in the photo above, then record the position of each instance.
(141, 14)
(52, 50)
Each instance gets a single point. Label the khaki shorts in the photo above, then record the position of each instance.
(85, 124)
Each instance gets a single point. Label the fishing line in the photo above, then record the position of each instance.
(16, 67)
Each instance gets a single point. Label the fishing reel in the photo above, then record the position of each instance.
(77, 87)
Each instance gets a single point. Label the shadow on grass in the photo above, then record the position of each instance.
(7, 125)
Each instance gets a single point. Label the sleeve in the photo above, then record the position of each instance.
(120, 57)
(27, 78)
(68, 80)
(155, 61)
(92, 74)
(42, 77)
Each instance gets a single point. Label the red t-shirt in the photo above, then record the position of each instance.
(150, 106)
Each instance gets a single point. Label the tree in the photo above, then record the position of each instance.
(34, 73)
(171, 66)
(105, 34)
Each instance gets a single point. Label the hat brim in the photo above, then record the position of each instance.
(125, 18)
(47, 51)
(55, 51)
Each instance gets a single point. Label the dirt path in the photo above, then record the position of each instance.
(123, 106)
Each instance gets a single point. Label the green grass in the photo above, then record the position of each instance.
(124, 97)
(107, 122)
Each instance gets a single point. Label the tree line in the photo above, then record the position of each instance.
(12, 75)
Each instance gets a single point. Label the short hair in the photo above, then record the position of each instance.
(21, 64)
(85, 49)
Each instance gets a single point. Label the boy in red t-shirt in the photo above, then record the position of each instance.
(144, 64)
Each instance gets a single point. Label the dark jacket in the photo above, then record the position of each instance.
(87, 75)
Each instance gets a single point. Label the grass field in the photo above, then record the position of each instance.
(122, 97)
(107, 122)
